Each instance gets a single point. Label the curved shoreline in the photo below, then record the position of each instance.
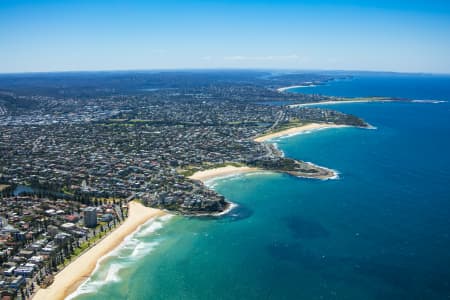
(73, 275)
(228, 171)
(341, 102)
(284, 89)
(206, 176)
(334, 172)
(297, 130)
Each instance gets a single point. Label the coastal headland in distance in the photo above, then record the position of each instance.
(73, 275)
(286, 88)
(230, 170)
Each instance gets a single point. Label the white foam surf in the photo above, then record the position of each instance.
(132, 248)
(214, 182)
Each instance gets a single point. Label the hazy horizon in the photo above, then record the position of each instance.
(229, 70)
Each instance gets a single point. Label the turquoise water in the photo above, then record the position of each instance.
(380, 231)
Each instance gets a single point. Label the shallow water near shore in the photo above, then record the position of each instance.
(380, 231)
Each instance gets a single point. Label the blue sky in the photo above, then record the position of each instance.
(410, 36)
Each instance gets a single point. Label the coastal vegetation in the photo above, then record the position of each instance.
(287, 125)
(293, 167)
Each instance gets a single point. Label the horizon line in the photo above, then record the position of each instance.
(220, 69)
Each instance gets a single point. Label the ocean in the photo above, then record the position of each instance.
(379, 231)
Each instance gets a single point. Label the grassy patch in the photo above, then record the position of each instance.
(67, 191)
(289, 125)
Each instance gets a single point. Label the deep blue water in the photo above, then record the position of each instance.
(381, 231)
(390, 85)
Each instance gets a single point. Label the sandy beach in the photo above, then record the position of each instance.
(221, 172)
(296, 130)
(340, 102)
(284, 89)
(79, 270)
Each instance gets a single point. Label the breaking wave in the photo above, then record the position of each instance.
(133, 248)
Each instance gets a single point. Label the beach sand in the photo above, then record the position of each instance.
(221, 172)
(79, 270)
(296, 130)
(283, 89)
(340, 102)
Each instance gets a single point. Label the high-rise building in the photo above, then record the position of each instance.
(90, 217)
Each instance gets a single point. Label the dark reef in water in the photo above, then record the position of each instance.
(305, 229)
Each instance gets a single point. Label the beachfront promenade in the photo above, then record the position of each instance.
(67, 280)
